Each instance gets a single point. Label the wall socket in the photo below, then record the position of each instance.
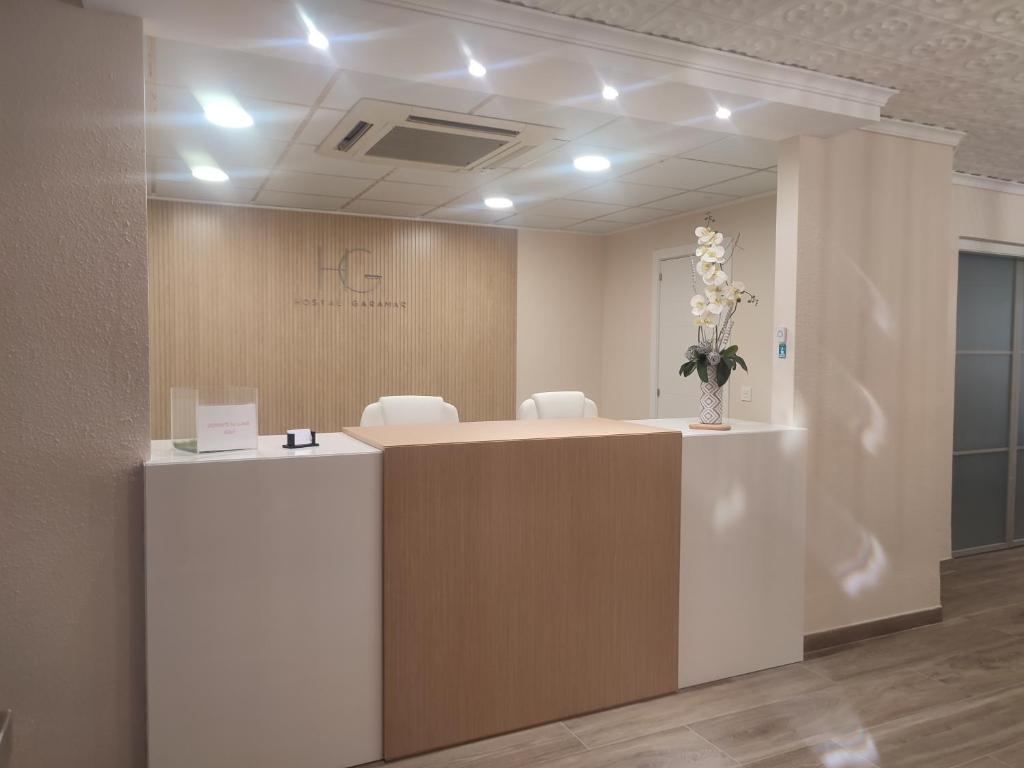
(745, 394)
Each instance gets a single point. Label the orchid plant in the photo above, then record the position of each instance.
(715, 301)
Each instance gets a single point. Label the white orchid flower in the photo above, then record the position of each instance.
(709, 237)
(701, 232)
(734, 292)
(716, 307)
(713, 292)
(698, 305)
(706, 319)
(714, 276)
(707, 268)
(714, 254)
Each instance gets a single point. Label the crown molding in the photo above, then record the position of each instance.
(984, 182)
(917, 131)
(705, 67)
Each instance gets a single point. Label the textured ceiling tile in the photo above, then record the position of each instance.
(816, 18)
(679, 23)
(737, 10)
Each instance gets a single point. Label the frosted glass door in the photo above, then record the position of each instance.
(986, 437)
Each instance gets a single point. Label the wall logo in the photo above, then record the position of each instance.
(357, 280)
(358, 274)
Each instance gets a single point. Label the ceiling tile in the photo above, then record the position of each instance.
(317, 184)
(598, 227)
(636, 215)
(293, 200)
(456, 179)
(753, 184)
(421, 194)
(684, 174)
(350, 87)
(538, 221)
(555, 176)
(572, 123)
(320, 125)
(618, 12)
(176, 170)
(572, 209)
(177, 108)
(621, 193)
(205, 191)
(382, 208)
(217, 71)
(208, 145)
(737, 150)
(690, 201)
(648, 137)
(477, 214)
(301, 157)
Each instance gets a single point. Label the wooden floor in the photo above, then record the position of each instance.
(949, 694)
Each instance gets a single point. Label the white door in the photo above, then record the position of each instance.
(676, 396)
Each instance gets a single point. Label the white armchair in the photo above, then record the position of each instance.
(557, 405)
(408, 409)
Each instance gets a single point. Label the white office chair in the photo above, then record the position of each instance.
(408, 409)
(557, 405)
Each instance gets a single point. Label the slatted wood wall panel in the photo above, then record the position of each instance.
(238, 296)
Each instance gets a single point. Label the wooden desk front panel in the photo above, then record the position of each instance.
(526, 581)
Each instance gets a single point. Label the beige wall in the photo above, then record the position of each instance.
(74, 408)
(866, 250)
(989, 215)
(629, 299)
(238, 295)
(559, 316)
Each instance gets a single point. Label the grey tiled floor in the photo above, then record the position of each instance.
(941, 696)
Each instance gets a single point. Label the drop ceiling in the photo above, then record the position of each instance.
(956, 63)
(668, 152)
(657, 170)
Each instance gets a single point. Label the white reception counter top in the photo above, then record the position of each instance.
(270, 447)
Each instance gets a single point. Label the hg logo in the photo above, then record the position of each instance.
(353, 270)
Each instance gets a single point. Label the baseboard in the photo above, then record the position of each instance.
(817, 641)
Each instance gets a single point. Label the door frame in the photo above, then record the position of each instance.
(1013, 538)
(658, 257)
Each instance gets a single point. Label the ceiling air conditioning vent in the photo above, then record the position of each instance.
(354, 135)
(402, 135)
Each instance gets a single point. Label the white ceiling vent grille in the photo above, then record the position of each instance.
(398, 134)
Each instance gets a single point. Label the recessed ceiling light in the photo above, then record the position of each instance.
(723, 113)
(476, 69)
(591, 163)
(227, 113)
(314, 36)
(209, 173)
(610, 93)
(318, 39)
(497, 202)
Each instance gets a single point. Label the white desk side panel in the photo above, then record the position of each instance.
(741, 570)
(263, 593)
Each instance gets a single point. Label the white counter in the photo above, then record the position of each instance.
(270, 447)
(741, 558)
(263, 592)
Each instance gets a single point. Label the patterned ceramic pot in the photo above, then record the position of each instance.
(711, 399)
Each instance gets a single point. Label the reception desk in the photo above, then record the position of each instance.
(263, 607)
(741, 556)
(530, 573)
(400, 589)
